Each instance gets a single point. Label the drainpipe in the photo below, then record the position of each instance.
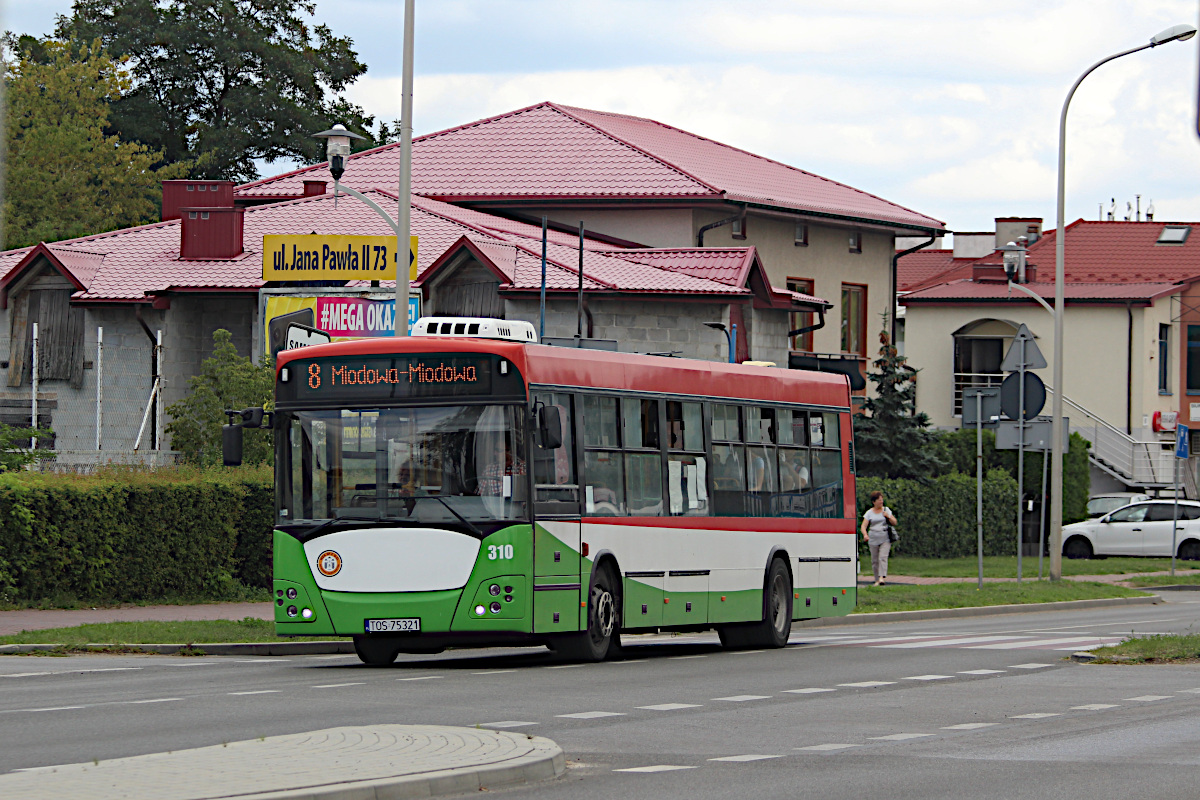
(819, 324)
(1129, 369)
(137, 313)
(711, 225)
(895, 300)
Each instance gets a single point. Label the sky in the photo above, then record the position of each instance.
(948, 107)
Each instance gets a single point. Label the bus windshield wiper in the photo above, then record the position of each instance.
(329, 523)
(471, 527)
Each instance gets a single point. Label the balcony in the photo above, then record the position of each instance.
(971, 380)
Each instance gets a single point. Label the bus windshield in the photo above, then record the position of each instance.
(429, 464)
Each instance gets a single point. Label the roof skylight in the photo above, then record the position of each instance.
(1174, 234)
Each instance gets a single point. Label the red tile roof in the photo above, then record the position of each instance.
(929, 267)
(555, 151)
(136, 263)
(966, 291)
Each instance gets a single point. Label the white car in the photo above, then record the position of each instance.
(1141, 529)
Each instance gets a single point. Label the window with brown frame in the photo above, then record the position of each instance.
(855, 241)
(854, 318)
(801, 319)
(737, 229)
(801, 234)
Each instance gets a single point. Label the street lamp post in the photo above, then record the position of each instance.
(1176, 33)
(729, 340)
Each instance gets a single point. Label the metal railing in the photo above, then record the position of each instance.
(1133, 461)
(970, 380)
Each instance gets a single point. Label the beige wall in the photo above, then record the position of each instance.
(668, 227)
(1094, 359)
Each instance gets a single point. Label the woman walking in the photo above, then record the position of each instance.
(875, 530)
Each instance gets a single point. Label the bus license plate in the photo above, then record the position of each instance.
(407, 625)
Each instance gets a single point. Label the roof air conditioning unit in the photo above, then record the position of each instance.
(476, 328)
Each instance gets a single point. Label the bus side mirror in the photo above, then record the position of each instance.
(550, 428)
(231, 445)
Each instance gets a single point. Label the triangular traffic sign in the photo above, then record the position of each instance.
(1025, 344)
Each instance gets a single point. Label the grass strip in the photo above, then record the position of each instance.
(872, 599)
(1160, 649)
(245, 594)
(1006, 566)
(1179, 579)
(197, 632)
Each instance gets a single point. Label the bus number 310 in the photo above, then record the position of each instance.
(500, 552)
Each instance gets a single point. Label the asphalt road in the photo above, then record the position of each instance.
(977, 707)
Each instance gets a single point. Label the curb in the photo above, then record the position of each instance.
(347, 647)
(974, 611)
(548, 762)
(1083, 657)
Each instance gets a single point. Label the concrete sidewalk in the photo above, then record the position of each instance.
(1119, 579)
(360, 763)
(37, 619)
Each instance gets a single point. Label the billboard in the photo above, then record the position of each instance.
(334, 258)
(341, 316)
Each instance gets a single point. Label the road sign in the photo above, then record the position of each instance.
(1181, 441)
(1037, 434)
(304, 336)
(1024, 345)
(337, 258)
(1010, 391)
(990, 398)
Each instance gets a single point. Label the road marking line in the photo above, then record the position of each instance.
(655, 768)
(338, 685)
(749, 757)
(745, 652)
(1029, 666)
(808, 691)
(1191, 691)
(495, 672)
(257, 691)
(1033, 645)
(590, 715)
(951, 642)
(28, 675)
(1149, 698)
(629, 661)
(969, 726)
(508, 723)
(742, 698)
(1094, 707)
(827, 747)
(669, 706)
(339, 655)
(55, 708)
(867, 684)
(681, 658)
(259, 660)
(1036, 715)
(157, 700)
(422, 678)
(982, 672)
(928, 677)
(567, 666)
(900, 737)
(104, 669)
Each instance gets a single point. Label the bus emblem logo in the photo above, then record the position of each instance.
(329, 563)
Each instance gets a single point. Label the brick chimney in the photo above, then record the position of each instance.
(314, 188)
(177, 195)
(211, 233)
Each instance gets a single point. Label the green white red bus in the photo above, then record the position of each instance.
(452, 491)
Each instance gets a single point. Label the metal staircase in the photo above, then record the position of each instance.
(1137, 464)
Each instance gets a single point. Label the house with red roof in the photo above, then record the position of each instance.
(1131, 325)
(679, 230)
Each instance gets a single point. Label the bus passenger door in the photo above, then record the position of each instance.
(556, 537)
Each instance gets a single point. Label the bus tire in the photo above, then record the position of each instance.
(776, 625)
(602, 639)
(376, 652)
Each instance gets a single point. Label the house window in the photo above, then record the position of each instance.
(801, 234)
(801, 319)
(854, 319)
(737, 228)
(855, 241)
(1164, 359)
(1193, 359)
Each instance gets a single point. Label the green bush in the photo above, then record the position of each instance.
(937, 516)
(133, 535)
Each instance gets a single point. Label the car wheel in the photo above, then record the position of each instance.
(1077, 547)
(776, 625)
(1190, 550)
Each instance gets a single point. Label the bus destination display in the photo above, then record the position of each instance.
(386, 377)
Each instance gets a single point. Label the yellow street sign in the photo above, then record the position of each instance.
(333, 258)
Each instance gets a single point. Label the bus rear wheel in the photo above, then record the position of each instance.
(602, 639)
(376, 651)
(776, 625)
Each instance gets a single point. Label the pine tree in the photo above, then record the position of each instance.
(892, 440)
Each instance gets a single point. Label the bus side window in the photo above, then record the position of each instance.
(554, 470)
(729, 463)
(603, 469)
(687, 466)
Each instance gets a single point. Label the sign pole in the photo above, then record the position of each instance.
(979, 482)
(1181, 452)
(1020, 460)
(405, 199)
(1042, 512)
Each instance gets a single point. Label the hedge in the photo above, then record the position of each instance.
(129, 535)
(937, 516)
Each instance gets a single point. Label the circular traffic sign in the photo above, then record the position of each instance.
(1010, 400)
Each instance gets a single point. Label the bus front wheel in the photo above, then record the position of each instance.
(376, 652)
(602, 639)
(776, 625)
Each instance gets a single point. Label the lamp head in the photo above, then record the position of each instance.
(337, 147)
(716, 326)
(1175, 33)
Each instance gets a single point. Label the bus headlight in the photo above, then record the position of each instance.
(292, 611)
(307, 613)
(480, 611)
(494, 589)
(291, 594)
(495, 608)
